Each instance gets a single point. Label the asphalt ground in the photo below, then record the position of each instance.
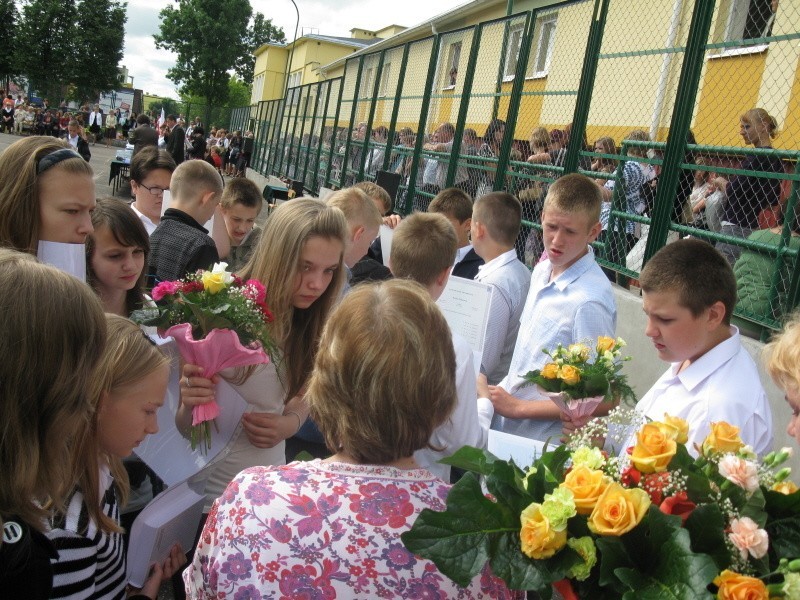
(100, 161)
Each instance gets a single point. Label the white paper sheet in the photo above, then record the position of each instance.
(523, 451)
(170, 454)
(387, 235)
(465, 304)
(70, 258)
(324, 193)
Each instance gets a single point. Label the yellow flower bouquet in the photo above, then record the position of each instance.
(653, 522)
(576, 383)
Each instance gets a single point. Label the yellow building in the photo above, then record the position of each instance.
(307, 55)
(637, 76)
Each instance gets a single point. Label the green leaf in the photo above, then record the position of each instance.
(706, 527)
(504, 482)
(784, 537)
(152, 317)
(457, 540)
(781, 505)
(517, 570)
(754, 508)
(472, 459)
(613, 555)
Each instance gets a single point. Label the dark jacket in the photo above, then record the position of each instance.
(176, 144)
(83, 148)
(143, 136)
(468, 267)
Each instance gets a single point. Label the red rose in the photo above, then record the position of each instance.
(654, 485)
(564, 588)
(679, 505)
(630, 477)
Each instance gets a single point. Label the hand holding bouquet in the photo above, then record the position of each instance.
(218, 321)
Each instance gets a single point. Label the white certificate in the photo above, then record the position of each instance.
(70, 258)
(386, 234)
(465, 304)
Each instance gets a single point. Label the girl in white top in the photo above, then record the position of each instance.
(299, 260)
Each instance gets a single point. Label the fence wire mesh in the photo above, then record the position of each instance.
(685, 116)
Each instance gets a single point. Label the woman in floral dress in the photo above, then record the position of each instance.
(331, 528)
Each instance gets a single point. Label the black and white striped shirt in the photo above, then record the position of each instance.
(91, 562)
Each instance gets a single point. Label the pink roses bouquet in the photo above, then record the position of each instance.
(218, 321)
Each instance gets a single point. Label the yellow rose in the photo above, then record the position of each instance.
(213, 282)
(579, 351)
(550, 371)
(569, 374)
(538, 540)
(618, 510)
(723, 437)
(785, 487)
(604, 344)
(733, 586)
(678, 427)
(587, 485)
(654, 449)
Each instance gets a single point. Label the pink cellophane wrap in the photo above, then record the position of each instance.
(580, 408)
(219, 350)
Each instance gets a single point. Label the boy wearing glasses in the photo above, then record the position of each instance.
(151, 171)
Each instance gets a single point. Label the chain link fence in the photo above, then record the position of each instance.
(685, 114)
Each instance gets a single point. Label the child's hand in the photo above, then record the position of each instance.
(196, 389)
(504, 403)
(391, 221)
(483, 387)
(265, 430)
(160, 573)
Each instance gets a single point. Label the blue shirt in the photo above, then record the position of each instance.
(577, 306)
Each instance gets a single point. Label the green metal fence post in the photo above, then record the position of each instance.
(422, 126)
(514, 101)
(469, 80)
(371, 118)
(352, 116)
(316, 87)
(387, 156)
(586, 85)
(321, 140)
(688, 84)
(792, 210)
(335, 133)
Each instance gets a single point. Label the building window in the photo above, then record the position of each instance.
(544, 35)
(386, 75)
(366, 86)
(453, 58)
(513, 44)
(749, 19)
(294, 79)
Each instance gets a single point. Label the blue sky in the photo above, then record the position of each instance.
(148, 65)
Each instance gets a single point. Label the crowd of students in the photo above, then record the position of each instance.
(370, 377)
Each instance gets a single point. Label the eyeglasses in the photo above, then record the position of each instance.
(155, 190)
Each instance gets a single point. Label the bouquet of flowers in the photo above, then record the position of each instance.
(578, 385)
(218, 321)
(652, 523)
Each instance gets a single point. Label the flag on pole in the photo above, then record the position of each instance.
(161, 119)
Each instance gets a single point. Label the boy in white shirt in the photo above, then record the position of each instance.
(456, 205)
(570, 300)
(423, 250)
(496, 220)
(689, 292)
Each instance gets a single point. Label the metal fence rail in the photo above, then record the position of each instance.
(655, 105)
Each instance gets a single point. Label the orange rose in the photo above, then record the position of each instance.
(654, 449)
(677, 426)
(569, 374)
(586, 485)
(618, 510)
(537, 539)
(733, 586)
(605, 343)
(723, 437)
(550, 371)
(785, 487)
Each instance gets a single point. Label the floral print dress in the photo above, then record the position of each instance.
(317, 530)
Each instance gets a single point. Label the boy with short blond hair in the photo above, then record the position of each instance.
(496, 221)
(570, 300)
(371, 267)
(363, 223)
(180, 244)
(456, 205)
(423, 250)
(241, 204)
(689, 293)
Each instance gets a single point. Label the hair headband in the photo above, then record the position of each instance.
(54, 158)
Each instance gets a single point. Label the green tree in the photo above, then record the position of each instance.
(98, 44)
(238, 95)
(8, 16)
(169, 105)
(260, 32)
(203, 35)
(43, 48)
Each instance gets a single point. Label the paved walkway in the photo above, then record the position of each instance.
(101, 159)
